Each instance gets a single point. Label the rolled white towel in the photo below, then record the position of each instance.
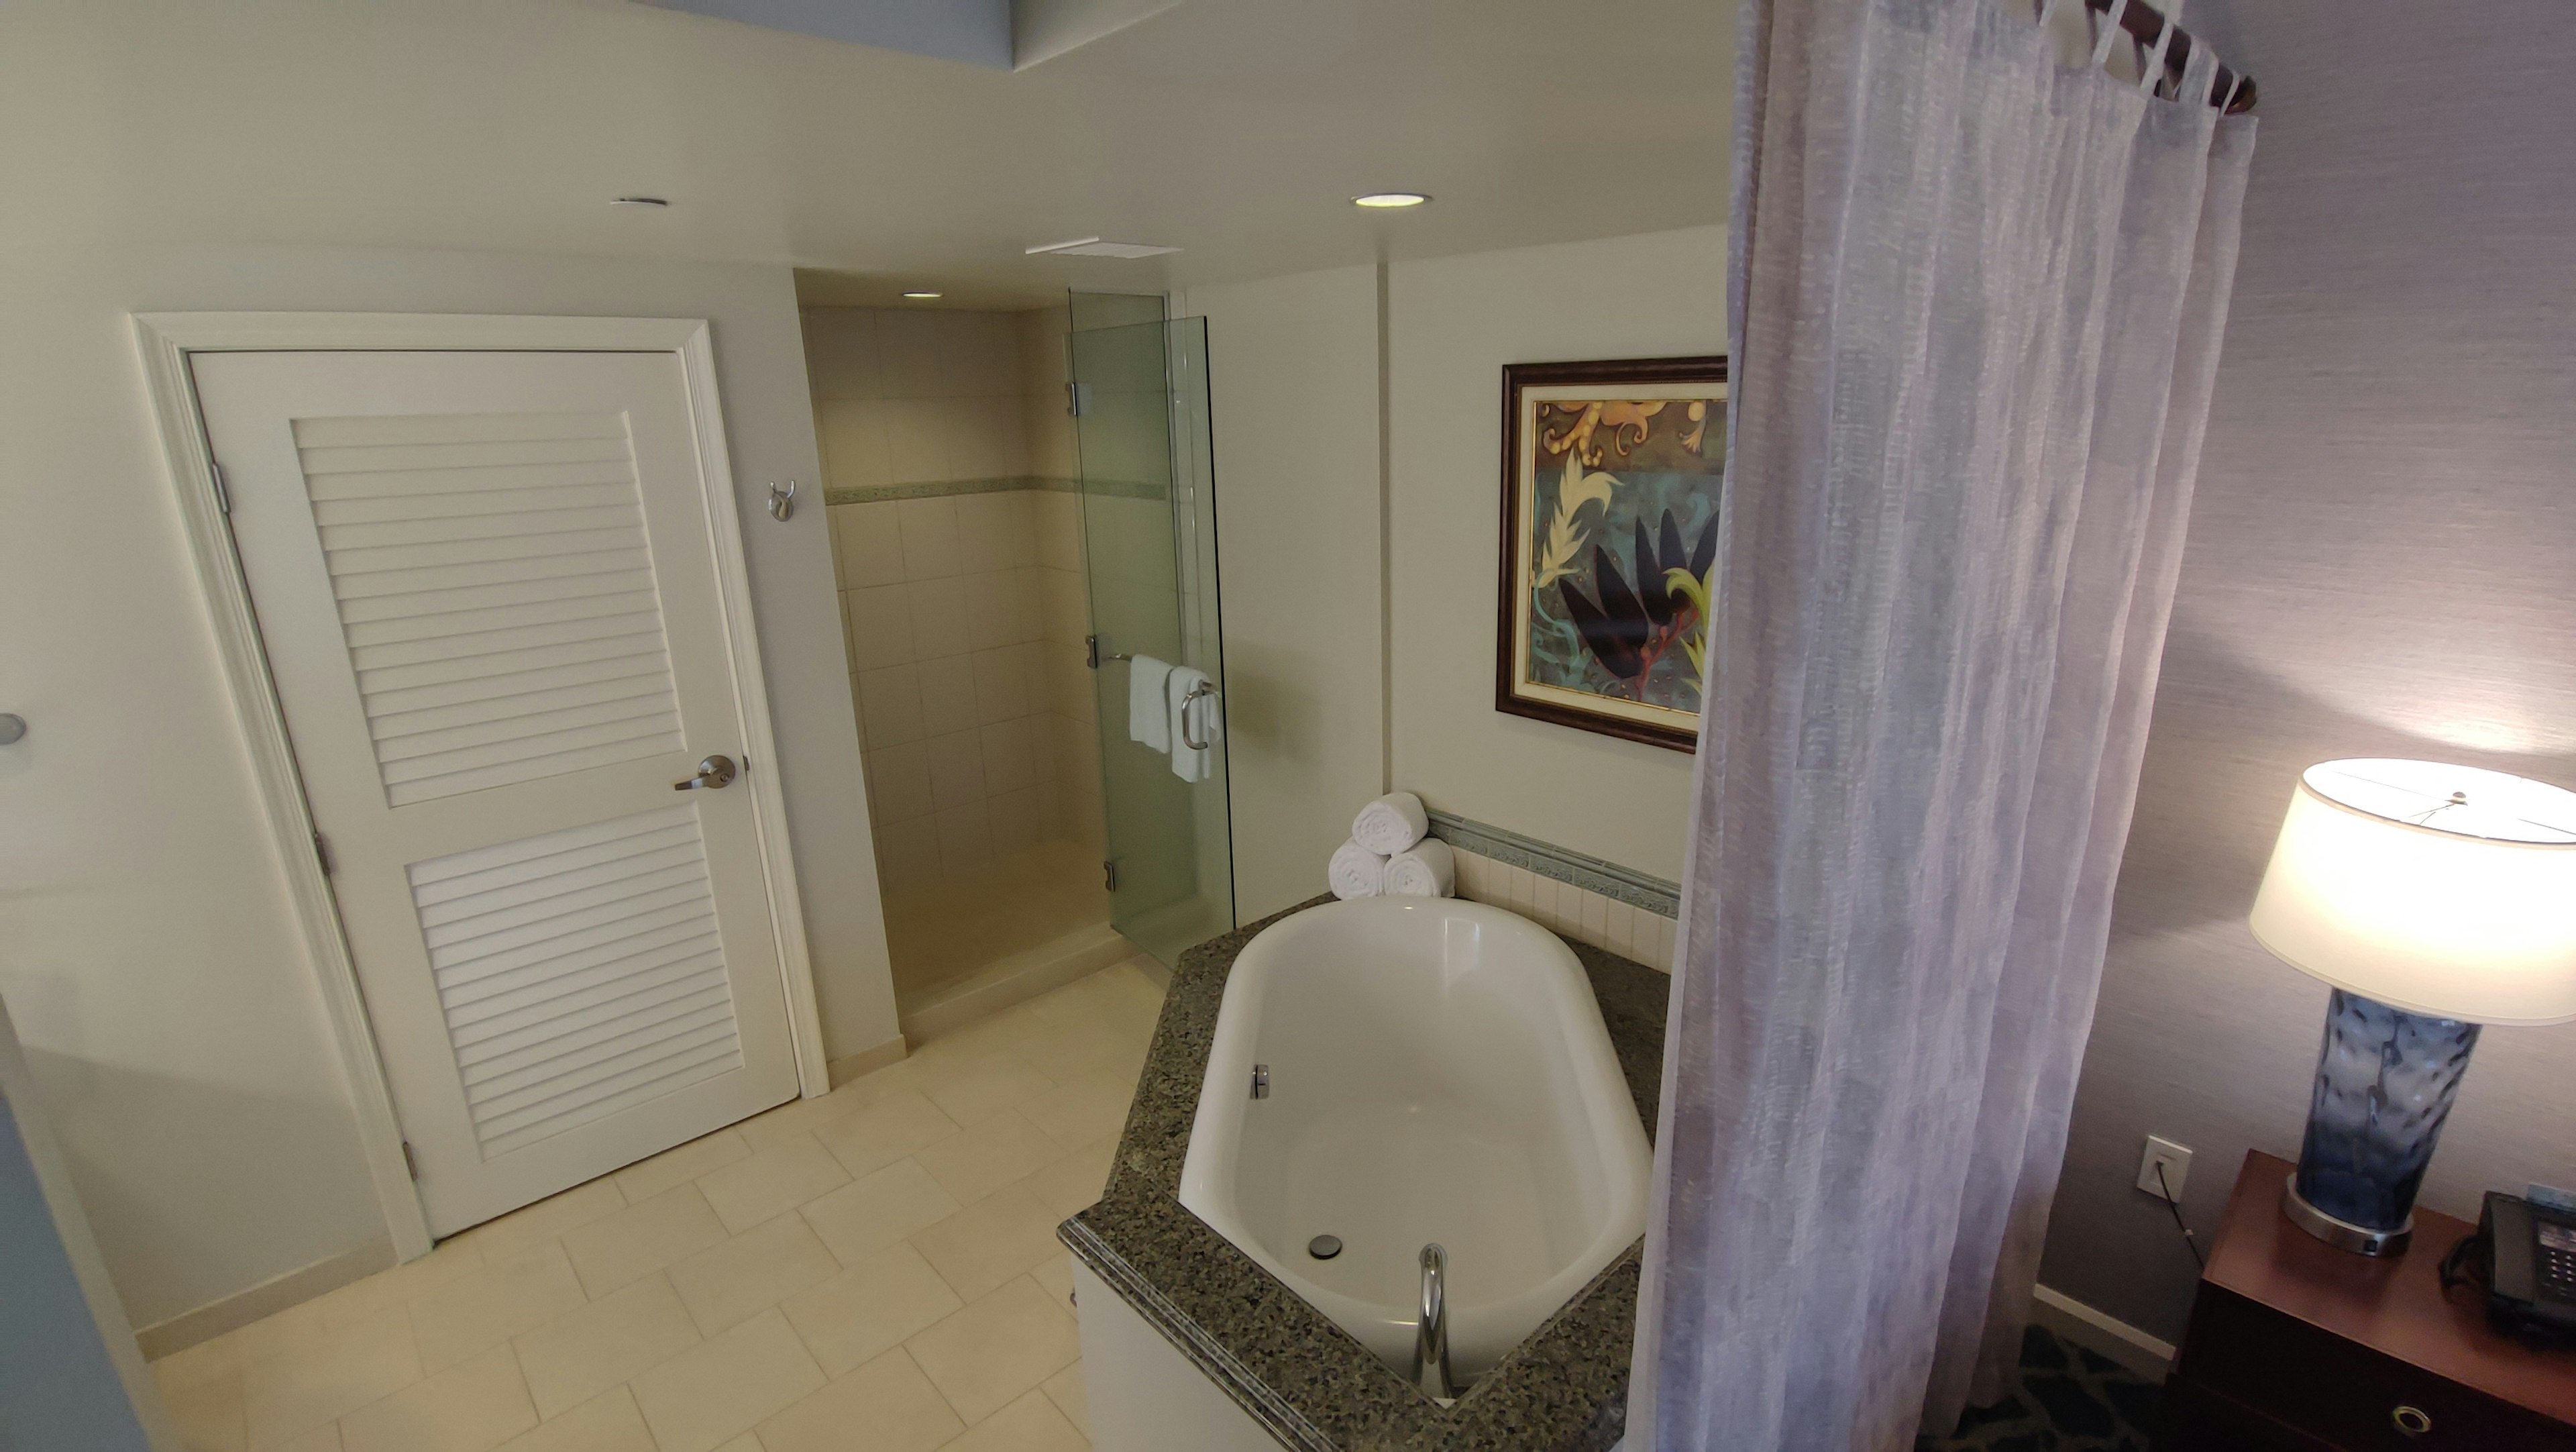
(1391, 824)
(1426, 869)
(1356, 872)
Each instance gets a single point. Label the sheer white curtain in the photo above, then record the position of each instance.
(1977, 293)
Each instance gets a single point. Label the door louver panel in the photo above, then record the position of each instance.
(496, 594)
(580, 972)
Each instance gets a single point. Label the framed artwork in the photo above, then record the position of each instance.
(1610, 500)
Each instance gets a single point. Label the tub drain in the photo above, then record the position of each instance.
(1324, 1247)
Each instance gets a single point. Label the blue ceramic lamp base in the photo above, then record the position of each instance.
(2385, 1082)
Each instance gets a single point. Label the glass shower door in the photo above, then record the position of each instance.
(1149, 545)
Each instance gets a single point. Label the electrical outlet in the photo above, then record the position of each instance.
(2176, 1160)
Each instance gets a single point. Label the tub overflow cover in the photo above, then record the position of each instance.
(1324, 1247)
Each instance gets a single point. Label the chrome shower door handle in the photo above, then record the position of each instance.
(714, 774)
(1202, 690)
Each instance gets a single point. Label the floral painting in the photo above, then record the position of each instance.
(1610, 521)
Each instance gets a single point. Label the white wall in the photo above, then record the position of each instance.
(1453, 323)
(1292, 372)
(146, 946)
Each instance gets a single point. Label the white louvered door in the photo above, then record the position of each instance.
(489, 595)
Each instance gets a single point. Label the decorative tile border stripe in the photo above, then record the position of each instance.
(1592, 874)
(1048, 483)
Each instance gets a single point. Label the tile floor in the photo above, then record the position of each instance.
(876, 1269)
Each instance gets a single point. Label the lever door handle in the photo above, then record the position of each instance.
(714, 774)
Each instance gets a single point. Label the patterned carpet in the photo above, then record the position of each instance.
(2070, 1401)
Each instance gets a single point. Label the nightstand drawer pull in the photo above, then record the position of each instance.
(2411, 1421)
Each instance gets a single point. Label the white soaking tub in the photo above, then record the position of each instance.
(1437, 1071)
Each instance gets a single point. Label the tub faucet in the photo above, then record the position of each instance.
(1431, 1333)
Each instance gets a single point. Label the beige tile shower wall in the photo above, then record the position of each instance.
(916, 396)
(1055, 457)
(1574, 912)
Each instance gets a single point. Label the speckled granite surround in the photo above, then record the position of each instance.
(1302, 1377)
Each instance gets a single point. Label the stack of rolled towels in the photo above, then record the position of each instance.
(1390, 854)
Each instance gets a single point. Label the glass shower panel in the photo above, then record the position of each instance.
(1149, 543)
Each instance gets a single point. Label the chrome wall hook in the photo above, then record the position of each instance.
(782, 500)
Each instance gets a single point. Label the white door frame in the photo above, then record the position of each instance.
(166, 340)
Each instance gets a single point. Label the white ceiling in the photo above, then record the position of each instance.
(1233, 129)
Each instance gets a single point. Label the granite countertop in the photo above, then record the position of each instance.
(1310, 1383)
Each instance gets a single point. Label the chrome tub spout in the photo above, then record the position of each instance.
(1431, 1333)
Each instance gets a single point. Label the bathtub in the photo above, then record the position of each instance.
(1437, 1071)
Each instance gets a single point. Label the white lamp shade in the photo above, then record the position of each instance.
(2441, 890)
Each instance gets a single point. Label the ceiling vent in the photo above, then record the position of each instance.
(1094, 247)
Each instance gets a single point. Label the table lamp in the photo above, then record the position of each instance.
(2434, 899)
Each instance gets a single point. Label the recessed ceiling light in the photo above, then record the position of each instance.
(1390, 199)
(925, 296)
(641, 202)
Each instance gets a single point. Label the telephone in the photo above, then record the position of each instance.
(2529, 1247)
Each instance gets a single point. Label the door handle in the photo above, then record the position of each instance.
(714, 774)
(1201, 691)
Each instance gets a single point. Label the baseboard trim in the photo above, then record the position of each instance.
(2101, 1333)
(269, 1297)
(866, 1061)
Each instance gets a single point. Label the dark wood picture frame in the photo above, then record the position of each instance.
(1517, 378)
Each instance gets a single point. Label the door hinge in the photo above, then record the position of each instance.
(223, 496)
(411, 1162)
(322, 854)
(1109, 874)
(1091, 651)
(1077, 399)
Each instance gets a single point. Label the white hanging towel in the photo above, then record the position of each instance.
(1193, 718)
(1356, 872)
(1390, 824)
(1149, 719)
(1426, 869)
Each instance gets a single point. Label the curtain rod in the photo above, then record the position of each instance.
(2231, 91)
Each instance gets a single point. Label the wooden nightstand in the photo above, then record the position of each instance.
(2295, 1346)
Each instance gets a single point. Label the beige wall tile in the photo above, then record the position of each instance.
(929, 528)
(948, 695)
(841, 352)
(983, 1246)
(1009, 752)
(908, 852)
(1017, 820)
(884, 1406)
(1596, 918)
(917, 443)
(642, 1238)
(878, 1209)
(1001, 685)
(648, 1178)
(980, 530)
(770, 1182)
(289, 1390)
(1032, 1423)
(854, 444)
(965, 838)
(551, 1216)
(979, 353)
(730, 1282)
(880, 1134)
(890, 706)
(606, 1423)
(876, 622)
(473, 1406)
(985, 1156)
(870, 1308)
(956, 768)
(871, 544)
(1055, 529)
(720, 1388)
(1070, 1396)
(477, 1312)
(574, 1358)
(984, 1356)
(938, 612)
(908, 353)
(899, 782)
(1619, 927)
(979, 437)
